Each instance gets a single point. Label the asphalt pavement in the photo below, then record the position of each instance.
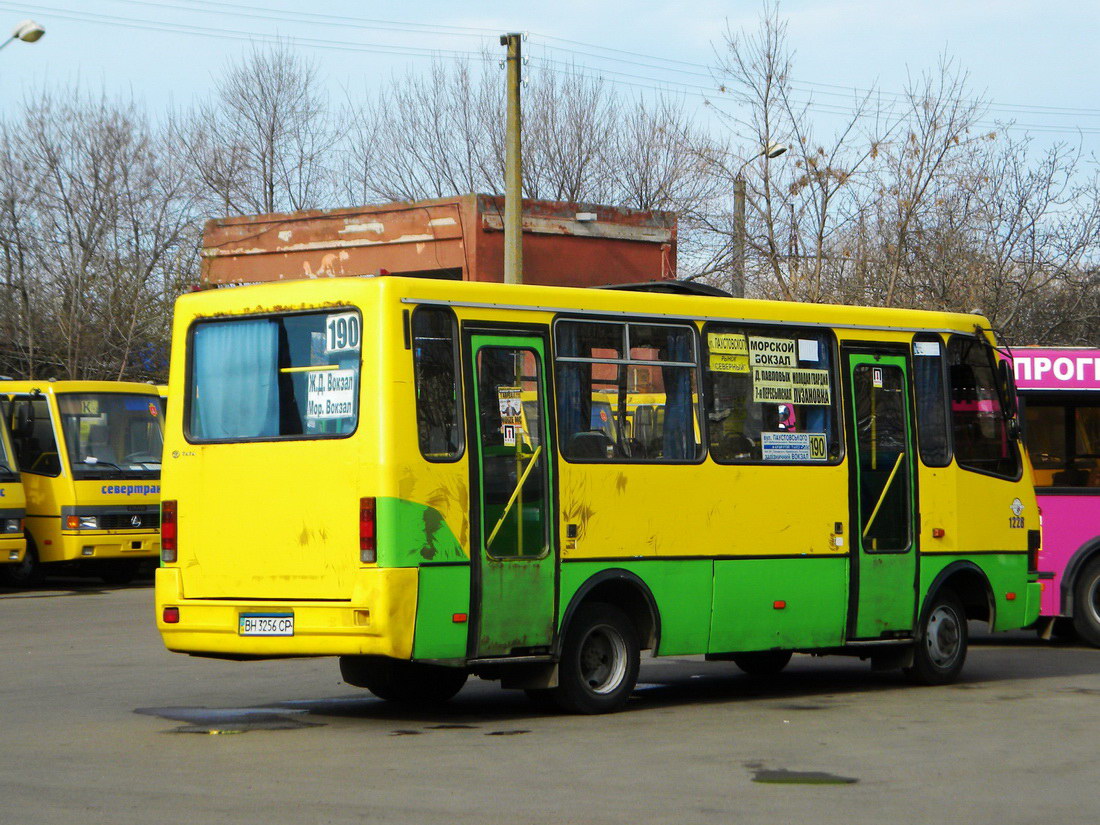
(99, 724)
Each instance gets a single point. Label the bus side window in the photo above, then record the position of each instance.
(616, 371)
(435, 367)
(770, 395)
(32, 432)
(931, 397)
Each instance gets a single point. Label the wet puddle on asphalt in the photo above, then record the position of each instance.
(288, 715)
(232, 720)
(783, 777)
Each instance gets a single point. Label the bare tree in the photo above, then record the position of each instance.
(265, 142)
(801, 203)
(93, 207)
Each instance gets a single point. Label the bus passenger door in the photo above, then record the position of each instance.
(512, 466)
(881, 453)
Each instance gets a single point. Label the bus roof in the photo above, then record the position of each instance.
(607, 303)
(48, 386)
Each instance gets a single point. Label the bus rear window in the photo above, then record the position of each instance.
(287, 376)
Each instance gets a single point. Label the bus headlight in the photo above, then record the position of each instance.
(82, 522)
(12, 525)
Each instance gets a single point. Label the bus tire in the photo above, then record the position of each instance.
(762, 662)
(406, 683)
(1086, 604)
(599, 661)
(939, 650)
(27, 573)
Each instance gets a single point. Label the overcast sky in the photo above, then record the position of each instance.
(1036, 61)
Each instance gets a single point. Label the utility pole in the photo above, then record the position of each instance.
(737, 279)
(513, 167)
(737, 285)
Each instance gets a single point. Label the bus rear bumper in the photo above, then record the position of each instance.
(377, 621)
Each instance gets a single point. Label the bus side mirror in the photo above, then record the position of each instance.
(1008, 389)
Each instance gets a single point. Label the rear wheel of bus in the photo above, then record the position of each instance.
(599, 660)
(407, 683)
(762, 662)
(1086, 604)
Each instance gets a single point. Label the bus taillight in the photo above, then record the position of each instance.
(368, 547)
(168, 531)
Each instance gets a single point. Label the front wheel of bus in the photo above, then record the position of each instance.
(1086, 604)
(26, 573)
(407, 683)
(939, 650)
(599, 661)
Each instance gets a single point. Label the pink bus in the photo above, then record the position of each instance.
(1059, 390)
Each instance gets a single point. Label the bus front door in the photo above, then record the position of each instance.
(881, 456)
(515, 547)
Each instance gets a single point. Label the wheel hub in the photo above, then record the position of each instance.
(603, 659)
(943, 636)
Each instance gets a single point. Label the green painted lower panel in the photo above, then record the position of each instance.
(410, 533)
(1007, 574)
(682, 590)
(813, 592)
(443, 592)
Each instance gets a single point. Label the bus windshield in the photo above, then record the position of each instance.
(7, 457)
(112, 435)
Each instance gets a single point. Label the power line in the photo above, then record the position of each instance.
(233, 34)
(712, 94)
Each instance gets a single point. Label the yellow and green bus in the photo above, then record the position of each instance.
(419, 477)
(12, 503)
(89, 455)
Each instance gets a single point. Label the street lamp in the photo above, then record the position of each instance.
(769, 151)
(28, 31)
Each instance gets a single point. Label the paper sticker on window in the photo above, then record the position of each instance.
(727, 343)
(342, 332)
(811, 387)
(89, 406)
(926, 348)
(772, 386)
(808, 350)
(771, 352)
(781, 447)
(511, 408)
(509, 431)
(729, 352)
(330, 394)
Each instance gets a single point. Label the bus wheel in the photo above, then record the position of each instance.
(1086, 604)
(118, 571)
(939, 650)
(407, 683)
(762, 662)
(26, 573)
(599, 662)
